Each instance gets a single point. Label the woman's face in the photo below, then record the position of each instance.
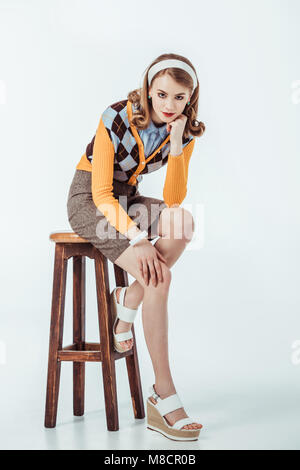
(167, 97)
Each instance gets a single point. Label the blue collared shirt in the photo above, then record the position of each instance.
(152, 137)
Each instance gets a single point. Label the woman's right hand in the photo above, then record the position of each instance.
(149, 257)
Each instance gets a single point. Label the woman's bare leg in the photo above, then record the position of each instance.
(171, 250)
(155, 325)
(175, 228)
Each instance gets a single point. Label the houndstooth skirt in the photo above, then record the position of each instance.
(88, 222)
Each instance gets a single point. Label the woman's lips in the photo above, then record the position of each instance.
(168, 114)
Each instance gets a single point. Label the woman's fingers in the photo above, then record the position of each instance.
(152, 272)
(161, 257)
(145, 271)
(158, 270)
(155, 273)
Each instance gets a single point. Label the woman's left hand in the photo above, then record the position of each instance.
(177, 127)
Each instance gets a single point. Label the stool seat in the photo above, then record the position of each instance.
(66, 236)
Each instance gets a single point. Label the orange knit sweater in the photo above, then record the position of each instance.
(102, 169)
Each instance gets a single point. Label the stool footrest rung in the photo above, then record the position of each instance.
(84, 346)
(79, 356)
(84, 352)
(90, 352)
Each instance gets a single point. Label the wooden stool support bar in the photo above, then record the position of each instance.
(70, 245)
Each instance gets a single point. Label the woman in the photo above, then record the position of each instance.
(155, 126)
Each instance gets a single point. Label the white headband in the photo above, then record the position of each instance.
(169, 63)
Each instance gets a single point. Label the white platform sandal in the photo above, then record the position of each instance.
(119, 311)
(157, 422)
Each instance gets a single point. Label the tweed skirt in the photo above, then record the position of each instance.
(88, 222)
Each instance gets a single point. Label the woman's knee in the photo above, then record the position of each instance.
(188, 225)
(128, 261)
(178, 223)
(167, 275)
(161, 287)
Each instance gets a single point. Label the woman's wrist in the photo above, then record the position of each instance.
(176, 149)
(141, 236)
(133, 232)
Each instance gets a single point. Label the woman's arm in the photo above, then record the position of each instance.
(175, 187)
(102, 184)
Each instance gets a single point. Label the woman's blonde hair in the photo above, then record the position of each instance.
(139, 97)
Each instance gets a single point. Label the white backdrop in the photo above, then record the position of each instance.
(234, 325)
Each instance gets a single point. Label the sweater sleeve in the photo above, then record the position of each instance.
(102, 181)
(175, 187)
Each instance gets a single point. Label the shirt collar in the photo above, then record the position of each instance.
(161, 130)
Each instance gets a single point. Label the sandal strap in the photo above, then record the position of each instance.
(123, 336)
(153, 393)
(182, 422)
(166, 405)
(124, 313)
(122, 295)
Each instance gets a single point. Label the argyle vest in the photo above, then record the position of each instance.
(128, 145)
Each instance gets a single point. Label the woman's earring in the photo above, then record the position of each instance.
(149, 97)
(189, 102)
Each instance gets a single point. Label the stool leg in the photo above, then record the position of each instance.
(132, 362)
(106, 343)
(134, 379)
(56, 334)
(78, 332)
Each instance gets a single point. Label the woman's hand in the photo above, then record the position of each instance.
(149, 257)
(177, 127)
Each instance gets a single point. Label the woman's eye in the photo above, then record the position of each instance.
(164, 95)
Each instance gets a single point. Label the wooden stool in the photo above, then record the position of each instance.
(70, 245)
